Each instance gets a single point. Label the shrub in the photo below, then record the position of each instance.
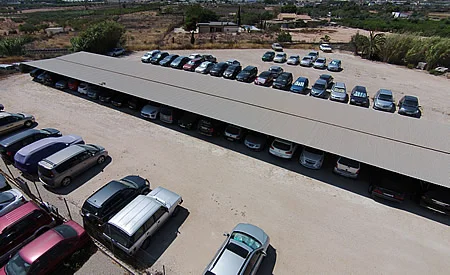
(99, 38)
(284, 37)
(13, 46)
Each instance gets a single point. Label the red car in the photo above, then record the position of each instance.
(47, 251)
(193, 64)
(73, 84)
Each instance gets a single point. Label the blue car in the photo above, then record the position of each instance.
(300, 86)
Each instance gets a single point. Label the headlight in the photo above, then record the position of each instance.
(416, 111)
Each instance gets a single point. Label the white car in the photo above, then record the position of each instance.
(116, 52)
(293, 60)
(347, 167)
(205, 67)
(325, 48)
(306, 61)
(148, 55)
(311, 158)
(83, 88)
(150, 110)
(280, 58)
(194, 56)
(10, 200)
(314, 55)
(277, 47)
(283, 148)
(320, 63)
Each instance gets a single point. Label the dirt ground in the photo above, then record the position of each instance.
(337, 34)
(318, 223)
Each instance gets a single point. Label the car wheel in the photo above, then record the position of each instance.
(28, 123)
(146, 243)
(101, 159)
(66, 181)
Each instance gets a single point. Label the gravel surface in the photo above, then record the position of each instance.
(317, 222)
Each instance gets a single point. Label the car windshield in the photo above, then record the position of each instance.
(334, 62)
(281, 145)
(320, 61)
(117, 235)
(300, 83)
(275, 69)
(319, 86)
(359, 94)
(17, 266)
(280, 55)
(282, 78)
(6, 198)
(166, 111)
(233, 130)
(312, 54)
(246, 239)
(385, 97)
(349, 162)
(265, 74)
(66, 231)
(339, 90)
(410, 103)
(204, 64)
(306, 58)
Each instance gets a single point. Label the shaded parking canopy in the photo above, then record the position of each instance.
(415, 147)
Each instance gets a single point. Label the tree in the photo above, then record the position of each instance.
(192, 38)
(99, 38)
(13, 46)
(326, 38)
(27, 28)
(196, 14)
(376, 42)
(284, 37)
(239, 16)
(359, 42)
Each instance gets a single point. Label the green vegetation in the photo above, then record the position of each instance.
(13, 46)
(196, 14)
(284, 37)
(99, 38)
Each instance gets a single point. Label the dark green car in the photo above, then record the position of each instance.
(268, 56)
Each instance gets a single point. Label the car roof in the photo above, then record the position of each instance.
(16, 214)
(253, 231)
(360, 88)
(340, 85)
(106, 192)
(321, 81)
(411, 98)
(19, 136)
(386, 92)
(64, 154)
(46, 142)
(301, 78)
(249, 67)
(40, 245)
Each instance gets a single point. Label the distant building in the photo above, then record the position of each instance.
(54, 30)
(211, 27)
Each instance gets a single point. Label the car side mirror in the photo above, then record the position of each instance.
(263, 253)
(226, 234)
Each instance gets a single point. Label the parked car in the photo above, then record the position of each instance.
(325, 48)
(319, 89)
(110, 199)
(13, 121)
(151, 110)
(283, 81)
(188, 120)
(40, 77)
(48, 251)
(248, 74)
(205, 67)
(409, 106)
(59, 169)
(231, 62)
(293, 60)
(27, 158)
(388, 189)
(359, 96)
(282, 148)
(255, 141)
(264, 79)
(347, 167)
(209, 127)
(306, 61)
(168, 114)
(129, 232)
(105, 96)
(135, 103)
(218, 69)
(314, 55)
(158, 57)
(116, 52)
(4, 186)
(93, 93)
(241, 253)
(50, 79)
(179, 62)
(277, 47)
(268, 56)
(195, 56)
(384, 101)
(233, 132)
(311, 158)
(168, 59)
(10, 145)
(61, 84)
(21, 225)
(148, 56)
(192, 64)
(300, 86)
(437, 198)
(280, 58)
(232, 71)
(276, 71)
(10, 200)
(339, 92)
(35, 72)
(119, 100)
(83, 88)
(209, 57)
(328, 78)
(73, 84)
(335, 65)
(320, 63)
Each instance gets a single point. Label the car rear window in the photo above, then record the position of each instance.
(233, 130)
(238, 250)
(118, 236)
(45, 172)
(349, 162)
(281, 145)
(66, 231)
(6, 198)
(313, 151)
(89, 208)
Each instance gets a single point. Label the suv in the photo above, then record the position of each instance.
(347, 167)
(20, 226)
(10, 145)
(11, 121)
(283, 81)
(110, 199)
(209, 127)
(132, 227)
(384, 101)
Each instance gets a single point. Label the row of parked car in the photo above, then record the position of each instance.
(310, 60)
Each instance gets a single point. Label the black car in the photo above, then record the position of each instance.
(234, 133)
(255, 141)
(119, 100)
(392, 186)
(232, 71)
(275, 71)
(105, 96)
(209, 127)
(409, 106)
(218, 69)
(167, 60)
(36, 72)
(50, 79)
(248, 74)
(437, 198)
(264, 79)
(188, 120)
(179, 62)
(160, 56)
(328, 78)
(135, 103)
(110, 199)
(11, 144)
(268, 56)
(284, 81)
(359, 96)
(210, 58)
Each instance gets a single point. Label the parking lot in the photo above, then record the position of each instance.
(318, 222)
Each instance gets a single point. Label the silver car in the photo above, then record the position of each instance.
(10, 200)
(241, 253)
(150, 110)
(347, 167)
(205, 67)
(312, 158)
(11, 121)
(384, 101)
(320, 63)
(280, 58)
(293, 60)
(339, 92)
(335, 65)
(306, 61)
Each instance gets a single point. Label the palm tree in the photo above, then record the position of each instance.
(376, 42)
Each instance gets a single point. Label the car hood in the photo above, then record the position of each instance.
(383, 102)
(168, 197)
(338, 95)
(408, 108)
(317, 91)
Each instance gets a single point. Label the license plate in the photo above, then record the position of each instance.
(389, 195)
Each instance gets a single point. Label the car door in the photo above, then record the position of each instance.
(160, 217)
(81, 163)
